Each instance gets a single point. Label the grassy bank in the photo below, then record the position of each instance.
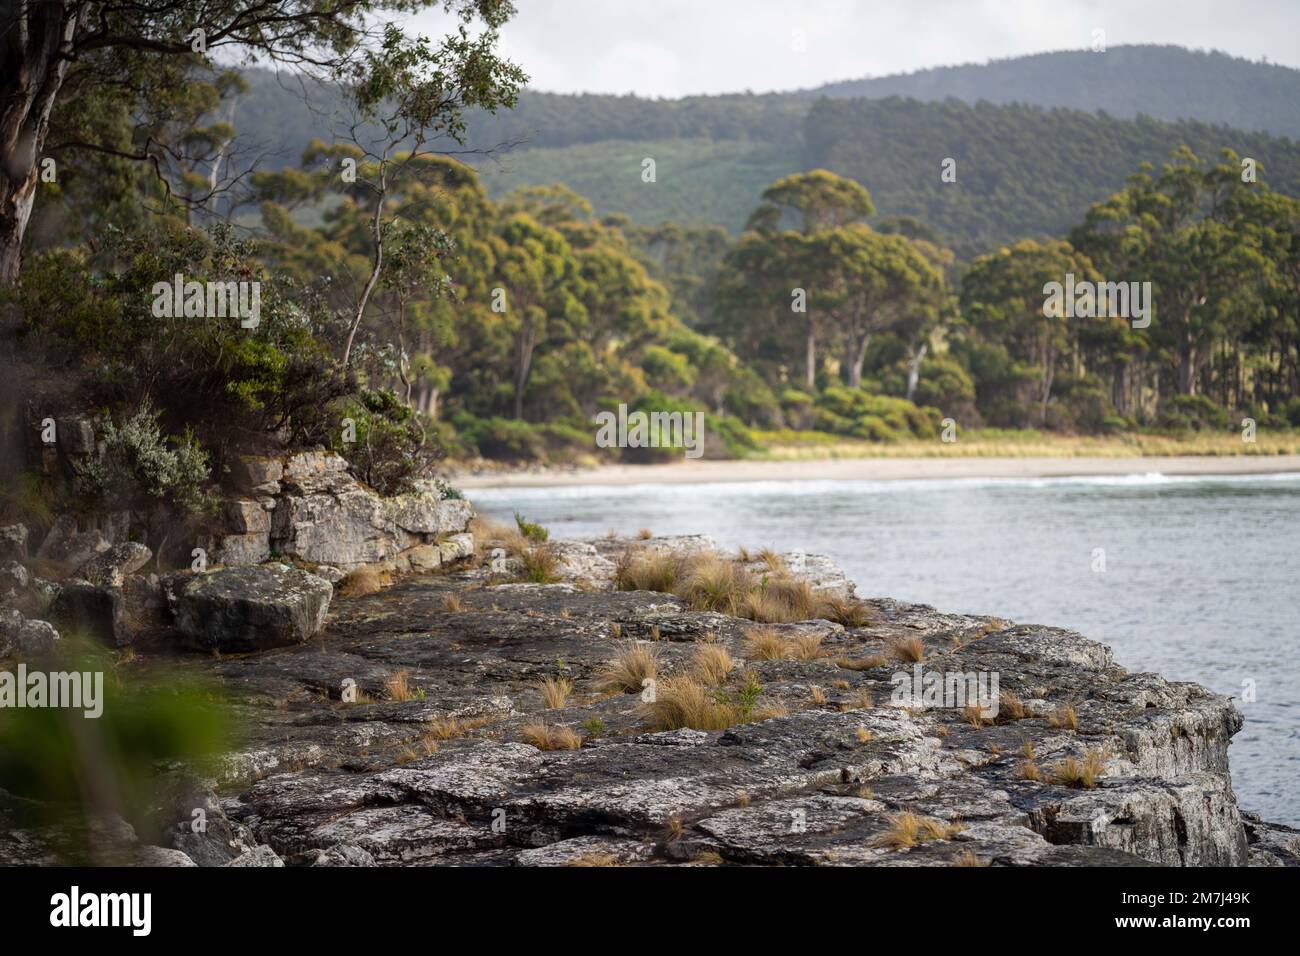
(1005, 443)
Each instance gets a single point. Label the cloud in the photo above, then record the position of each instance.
(680, 47)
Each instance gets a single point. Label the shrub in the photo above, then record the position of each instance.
(140, 469)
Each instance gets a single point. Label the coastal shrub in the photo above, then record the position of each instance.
(140, 469)
(1190, 413)
(530, 529)
(392, 448)
(860, 414)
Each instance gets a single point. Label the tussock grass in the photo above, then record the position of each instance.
(816, 696)
(555, 691)
(907, 829)
(594, 859)
(908, 649)
(451, 603)
(629, 670)
(1076, 773)
(541, 565)
(546, 737)
(1010, 708)
(363, 581)
(864, 735)
(768, 644)
(682, 701)
(709, 581)
(966, 858)
(398, 686)
(1064, 718)
(711, 665)
(849, 612)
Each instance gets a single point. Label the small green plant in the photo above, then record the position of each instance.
(531, 530)
(743, 700)
(594, 726)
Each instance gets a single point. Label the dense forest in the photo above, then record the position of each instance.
(407, 313)
(1037, 139)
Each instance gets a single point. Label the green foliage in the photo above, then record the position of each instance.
(392, 449)
(75, 768)
(141, 469)
(859, 414)
(530, 529)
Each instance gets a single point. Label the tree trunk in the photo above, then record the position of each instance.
(35, 38)
(527, 340)
(810, 360)
(855, 355)
(914, 370)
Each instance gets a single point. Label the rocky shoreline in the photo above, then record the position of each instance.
(455, 713)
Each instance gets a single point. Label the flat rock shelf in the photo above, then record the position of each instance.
(450, 755)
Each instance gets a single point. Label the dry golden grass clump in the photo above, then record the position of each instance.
(907, 829)
(973, 714)
(1079, 774)
(1064, 718)
(711, 665)
(1010, 708)
(555, 691)
(645, 534)
(908, 649)
(709, 581)
(398, 686)
(541, 565)
(682, 701)
(594, 859)
(764, 644)
(865, 736)
(546, 737)
(451, 603)
(629, 670)
(363, 581)
(816, 696)
(849, 612)
(449, 728)
(1028, 768)
(768, 644)
(966, 858)
(862, 663)
(647, 571)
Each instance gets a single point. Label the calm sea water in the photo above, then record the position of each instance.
(1201, 580)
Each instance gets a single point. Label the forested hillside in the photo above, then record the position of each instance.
(1164, 82)
(1023, 170)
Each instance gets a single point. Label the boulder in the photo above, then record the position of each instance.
(456, 547)
(68, 545)
(110, 568)
(93, 610)
(36, 639)
(13, 578)
(13, 542)
(242, 550)
(253, 608)
(253, 474)
(246, 516)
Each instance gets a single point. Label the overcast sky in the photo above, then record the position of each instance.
(680, 47)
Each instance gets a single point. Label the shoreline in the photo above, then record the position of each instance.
(882, 469)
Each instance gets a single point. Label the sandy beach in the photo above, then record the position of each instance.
(883, 469)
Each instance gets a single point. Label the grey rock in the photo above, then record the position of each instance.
(36, 639)
(67, 545)
(249, 609)
(110, 568)
(245, 516)
(93, 611)
(158, 856)
(252, 472)
(242, 550)
(13, 578)
(13, 542)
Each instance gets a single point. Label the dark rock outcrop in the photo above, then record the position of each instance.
(250, 609)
